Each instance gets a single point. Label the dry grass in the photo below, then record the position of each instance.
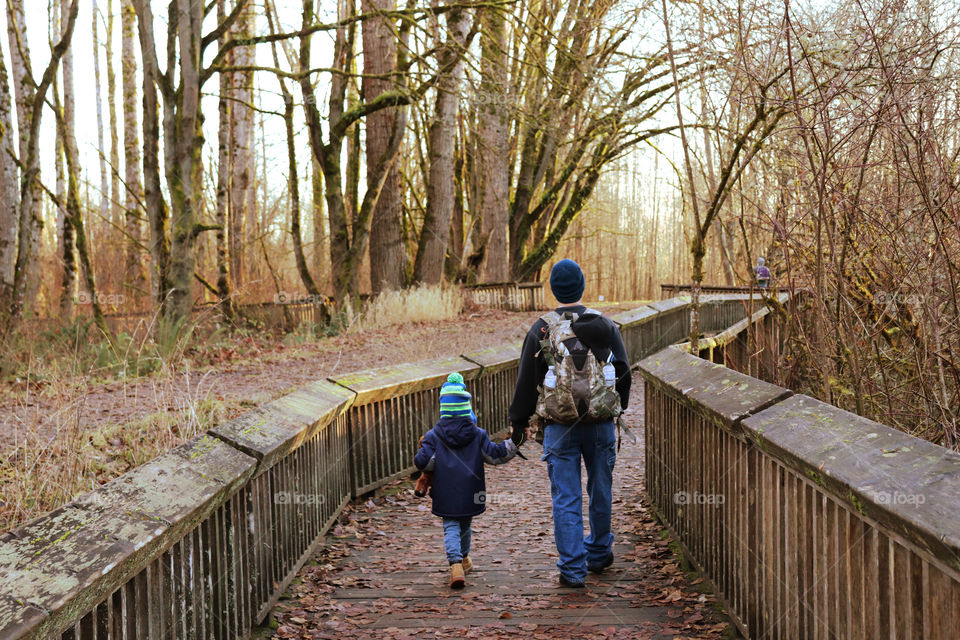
(49, 467)
(417, 304)
(43, 466)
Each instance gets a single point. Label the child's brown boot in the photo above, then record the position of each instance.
(456, 576)
(467, 565)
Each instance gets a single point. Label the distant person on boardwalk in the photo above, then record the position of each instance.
(762, 273)
(454, 451)
(574, 381)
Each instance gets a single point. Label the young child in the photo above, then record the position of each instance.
(454, 450)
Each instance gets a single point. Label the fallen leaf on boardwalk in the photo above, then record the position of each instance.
(527, 626)
(672, 595)
(506, 615)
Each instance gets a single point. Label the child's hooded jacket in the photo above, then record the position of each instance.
(455, 450)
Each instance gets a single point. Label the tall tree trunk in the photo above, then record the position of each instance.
(157, 213)
(116, 206)
(293, 178)
(294, 188)
(74, 218)
(241, 149)
(454, 260)
(387, 256)
(68, 145)
(223, 183)
(493, 140)
(104, 173)
(9, 196)
(131, 147)
(321, 240)
(186, 178)
(65, 246)
(30, 223)
(30, 99)
(435, 234)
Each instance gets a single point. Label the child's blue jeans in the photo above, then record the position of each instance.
(563, 447)
(456, 538)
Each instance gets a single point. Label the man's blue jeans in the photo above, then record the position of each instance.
(456, 538)
(563, 446)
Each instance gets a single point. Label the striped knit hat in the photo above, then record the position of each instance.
(455, 399)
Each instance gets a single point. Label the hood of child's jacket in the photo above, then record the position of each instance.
(456, 432)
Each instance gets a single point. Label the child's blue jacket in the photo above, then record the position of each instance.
(455, 451)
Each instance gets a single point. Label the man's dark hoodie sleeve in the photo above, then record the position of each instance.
(621, 364)
(529, 377)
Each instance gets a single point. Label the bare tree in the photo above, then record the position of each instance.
(568, 121)
(104, 171)
(435, 233)
(493, 148)
(133, 189)
(293, 178)
(242, 213)
(67, 144)
(74, 217)
(9, 196)
(380, 50)
(224, 176)
(30, 98)
(180, 85)
(116, 206)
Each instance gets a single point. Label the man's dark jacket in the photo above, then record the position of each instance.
(595, 331)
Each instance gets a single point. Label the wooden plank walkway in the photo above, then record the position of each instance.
(383, 574)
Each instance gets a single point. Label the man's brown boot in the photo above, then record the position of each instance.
(467, 565)
(456, 576)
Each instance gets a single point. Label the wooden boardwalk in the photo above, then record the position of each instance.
(383, 574)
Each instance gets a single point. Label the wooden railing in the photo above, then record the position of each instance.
(811, 522)
(201, 541)
(668, 289)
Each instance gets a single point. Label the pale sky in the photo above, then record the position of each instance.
(37, 17)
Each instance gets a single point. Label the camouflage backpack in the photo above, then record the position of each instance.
(578, 387)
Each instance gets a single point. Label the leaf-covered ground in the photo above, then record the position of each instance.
(383, 574)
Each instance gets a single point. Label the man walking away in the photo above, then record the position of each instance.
(575, 378)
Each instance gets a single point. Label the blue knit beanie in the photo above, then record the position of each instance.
(455, 399)
(566, 281)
